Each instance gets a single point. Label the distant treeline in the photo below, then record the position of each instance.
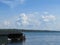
(25, 30)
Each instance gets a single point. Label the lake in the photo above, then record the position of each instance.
(39, 38)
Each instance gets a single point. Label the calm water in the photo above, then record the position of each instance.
(39, 38)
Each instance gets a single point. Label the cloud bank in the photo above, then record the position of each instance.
(36, 21)
(48, 18)
(31, 21)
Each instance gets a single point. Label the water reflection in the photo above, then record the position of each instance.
(4, 41)
(15, 42)
(12, 42)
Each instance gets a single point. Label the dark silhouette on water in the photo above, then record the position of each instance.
(16, 37)
(12, 34)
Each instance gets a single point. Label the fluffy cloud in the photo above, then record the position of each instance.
(22, 19)
(12, 3)
(28, 20)
(31, 21)
(49, 18)
(35, 21)
(49, 21)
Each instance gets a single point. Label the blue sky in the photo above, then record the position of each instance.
(30, 14)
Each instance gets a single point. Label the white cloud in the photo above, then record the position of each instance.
(7, 23)
(12, 3)
(49, 22)
(18, 23)
(8, 2)
(22, 19)
(48, 18)
(35, 21)
(31, 21)
(27, 20)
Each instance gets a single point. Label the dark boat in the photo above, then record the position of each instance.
(12, 34)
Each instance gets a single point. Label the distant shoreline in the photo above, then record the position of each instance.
(27, 30)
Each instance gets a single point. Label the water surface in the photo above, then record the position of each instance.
(39, 38)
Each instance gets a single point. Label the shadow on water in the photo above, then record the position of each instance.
(15, 42)
(12, 42)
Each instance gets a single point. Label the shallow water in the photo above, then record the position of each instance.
(39, 38)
